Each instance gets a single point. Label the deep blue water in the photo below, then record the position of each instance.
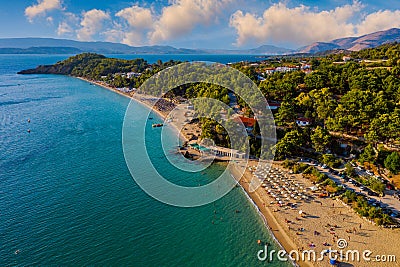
(67, 197)
(212, 58)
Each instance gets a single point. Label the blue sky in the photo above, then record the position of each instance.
(198, 23)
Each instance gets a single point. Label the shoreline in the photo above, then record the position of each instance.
(151, 108)
(322, 223)
(269, 221)
(322, 214)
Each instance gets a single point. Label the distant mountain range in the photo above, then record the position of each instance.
(63, 46)
(354, 43)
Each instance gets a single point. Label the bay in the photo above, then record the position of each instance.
(67, 197)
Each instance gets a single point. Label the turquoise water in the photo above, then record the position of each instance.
(67, 197)
(199, 147)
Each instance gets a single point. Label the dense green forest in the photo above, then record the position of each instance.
(359, 97)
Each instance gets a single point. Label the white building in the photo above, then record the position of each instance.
(303, 122)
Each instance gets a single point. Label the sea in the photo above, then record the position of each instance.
(67, 197)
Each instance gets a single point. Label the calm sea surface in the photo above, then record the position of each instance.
(67, 197)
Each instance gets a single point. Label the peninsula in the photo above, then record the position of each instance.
(336, 174)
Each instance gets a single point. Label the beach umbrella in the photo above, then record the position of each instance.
(300, 212)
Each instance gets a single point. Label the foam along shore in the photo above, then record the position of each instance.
(185, 130)
(302, 220)
(324, 220)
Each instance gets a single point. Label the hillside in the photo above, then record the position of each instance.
(355, 43)
(318, 47)
(49, 45)
(63, 46)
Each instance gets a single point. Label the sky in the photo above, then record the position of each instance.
(219, 24)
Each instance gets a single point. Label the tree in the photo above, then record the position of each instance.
(331, 161)
(320, 139)
(286, 114)
(368, 155)
(392, 162)
(289, 144)
(385, 128)
(324, 104)
(355, 110)
(256, 129)
(316, 80)
(349, 170)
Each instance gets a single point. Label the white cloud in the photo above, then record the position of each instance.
(64, 29)
(137, 17)
(182, 16)
(67, 26)
(41, 8)
(139, 20)
(381, 20)
(114, 35)
(281, 24)
(92, 24)
(50, 20)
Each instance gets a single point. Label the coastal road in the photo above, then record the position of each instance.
(388, 200)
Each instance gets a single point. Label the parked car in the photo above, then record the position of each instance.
(372, 193)
(390, 186)
(394, 215)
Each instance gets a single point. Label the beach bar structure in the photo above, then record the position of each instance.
(218, 151)
(227, 152)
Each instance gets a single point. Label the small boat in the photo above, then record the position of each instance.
(157, 125)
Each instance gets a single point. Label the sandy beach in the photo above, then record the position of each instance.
(175, 117)
(322, 223)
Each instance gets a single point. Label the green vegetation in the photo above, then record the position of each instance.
(289, 145)
(368, 155)
(331, 161)
(392, 162)
(361, 206)
(320, 139)
(350, 171)
(359, 98)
